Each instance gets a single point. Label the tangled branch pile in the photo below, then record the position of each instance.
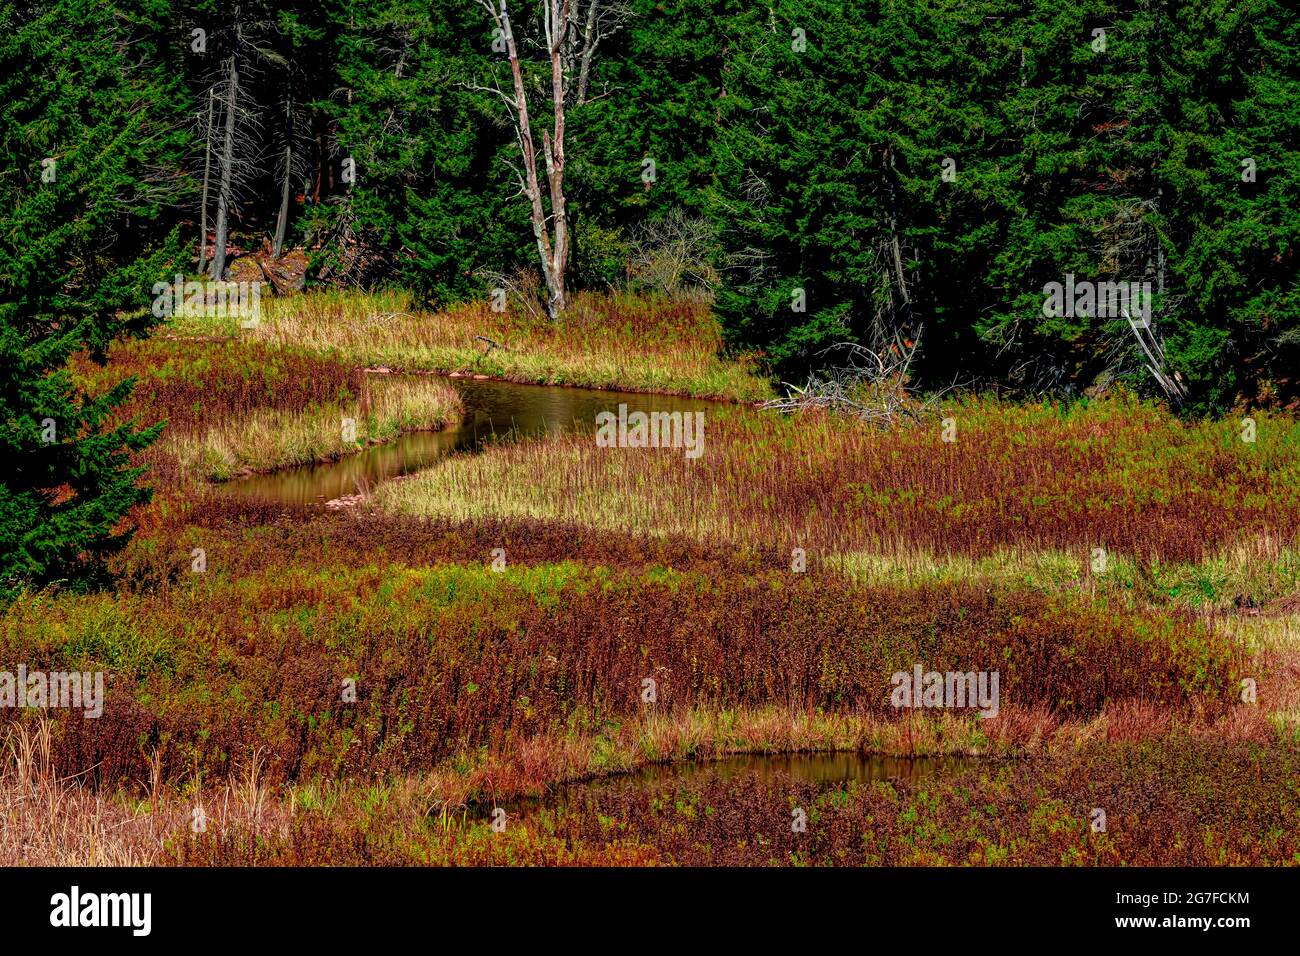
(871, 384)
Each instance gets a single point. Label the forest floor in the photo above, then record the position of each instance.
(366, 686)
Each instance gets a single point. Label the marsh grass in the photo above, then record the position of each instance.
(1184, 800)
(615, 341)
(1120, 475)
(238, 406)
(1177, 802)
(1032, 809)
(451, 658)
(267, 439)
(1250, 576)
(476, 686)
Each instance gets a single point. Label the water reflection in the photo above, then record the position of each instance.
(815, 768)
(822, 769)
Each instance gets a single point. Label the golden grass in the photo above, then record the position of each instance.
(53, 821)
(1027, 498)
(1260, 570)
(271, 438)
(617, 341)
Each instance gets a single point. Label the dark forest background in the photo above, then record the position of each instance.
(796, 144)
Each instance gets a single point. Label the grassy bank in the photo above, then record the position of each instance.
(453, 658)
(266, 439)
(453, 662)
(1119, 475)
(234, 407)
(1180, 800)
(616, 341)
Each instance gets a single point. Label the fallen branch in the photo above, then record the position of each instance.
(1155, 353)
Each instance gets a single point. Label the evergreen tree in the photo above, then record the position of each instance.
(89, 170)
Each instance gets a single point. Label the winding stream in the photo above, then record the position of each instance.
(494, 411)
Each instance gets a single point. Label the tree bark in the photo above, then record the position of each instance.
(589, 42)
(207, 167)
(553, 253)
(904, 322)
(227, 162)
(554, 147)
(283, 219)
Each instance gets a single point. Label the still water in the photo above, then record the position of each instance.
(823, 769)
(494, 411)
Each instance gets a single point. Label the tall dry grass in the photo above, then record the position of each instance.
(50, 819)
(1122, 475)
(246, 406)
(266, 439)
(617, 341)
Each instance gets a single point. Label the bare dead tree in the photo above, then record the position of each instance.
(1153, 347)
(238, 160)
(286, 172)
(893, 315)
(602, 20)
(292, 165)
(227, 159)
(569, 42)
(1129, 246)
(672, 254)
(207, 171)
(550, 232)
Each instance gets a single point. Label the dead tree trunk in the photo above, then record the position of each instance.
(227, 160)
(207, 169)
(557, 26)
(549, 233)
(590, 38)
(903, 314)
(282, 221)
